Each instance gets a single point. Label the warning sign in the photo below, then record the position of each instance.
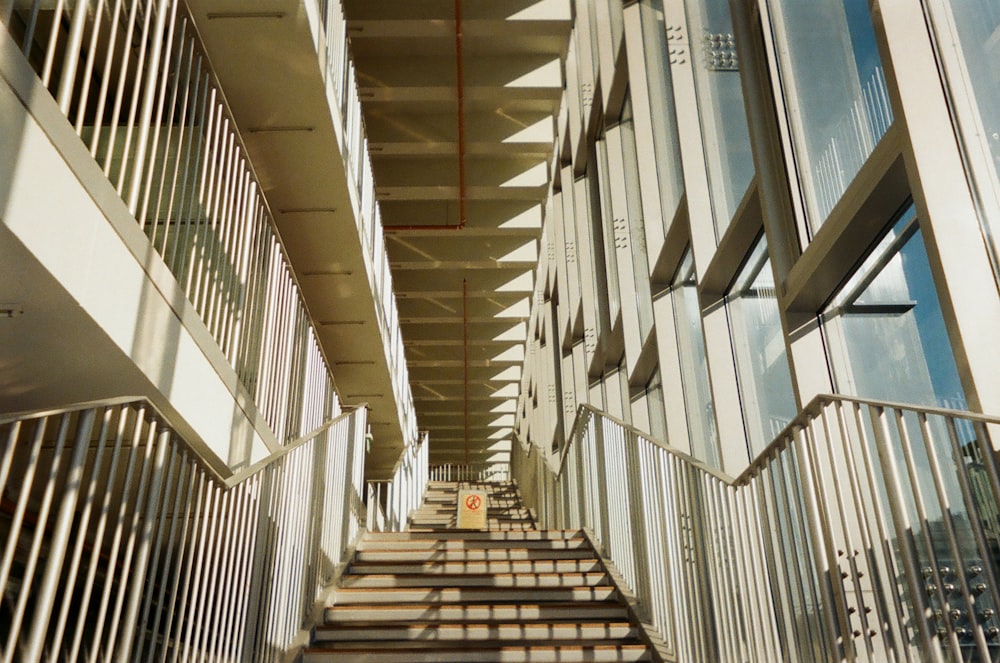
(472, 509)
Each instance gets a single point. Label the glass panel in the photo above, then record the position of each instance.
(720, 106)
(604, 216)
(636, 229)
(694, 365)
(888, 333)
(973, 74)
(759, 345)
(666, 145)
(655, 408)
(834, 90)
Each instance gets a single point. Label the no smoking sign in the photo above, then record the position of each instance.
(472, 509)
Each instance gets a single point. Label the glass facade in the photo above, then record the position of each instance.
(720, 106)
(889, 336)
(972, 69)
(834, 93)
(759, 345)
(694, 364)
(659, 86)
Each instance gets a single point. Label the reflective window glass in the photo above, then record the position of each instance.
(759, 345)
(887, 334)
(694, 364)
(973, 73)
(834, 91)
(720, 106)
(666, 145)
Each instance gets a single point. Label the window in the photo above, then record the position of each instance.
(693, 364)
(887, 334)
(666, 144)
(759, 346)
(720, 106)
(834, 92)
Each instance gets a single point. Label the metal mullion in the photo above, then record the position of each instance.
(738, 549)
(22, 500)
(214, 163)
(165, 66)
(919, 504)
(197, 203)
(72, 582)
(651, 531)
(119, 419)
(236, 248)
(193, 506)
(273, 547)
(695, 628)
(58, 542)
(173, 486)
(836, 481)
(116, 107)
(259, 600)
(252, 332)
(186, 475)
(50, 51)
(24, 590)
(204, 581)
(237, 254)
(903, 531)
(151, 211)
(142, 75)
(186, 177)
(885, 544)
(232, 589)
(188, 602)
(807, 640)
(248, 560)
(151, 99)
(218, 553)
(102, 94)
(131, 543)
(670, 542)
(743, 550)
(768, 500)
(861, 509)
(720, 569)
(7, 459)
(827, 569)
(179, 98)
(223, 581)
(218, 256)
(88, 69)
(758, 571)
(143, 534)
(269, 342)
(947, 520)
(71, 55)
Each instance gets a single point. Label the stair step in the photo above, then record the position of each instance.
(529, 580)
(495, 566)
(486, 535)
(606, 653)
(507, 554)
(562, 612)
(466, 595)
(428, 632)
(472, 544)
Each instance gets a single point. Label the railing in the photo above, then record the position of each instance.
(390, 503)
(135, 84)
(342, 81)
(867, 531)
(118, 545)
(481, 472)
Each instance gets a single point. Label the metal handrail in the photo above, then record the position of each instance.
(867, 531)
(210, 571)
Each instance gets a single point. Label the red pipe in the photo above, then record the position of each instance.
(460, 81)
(465, 353)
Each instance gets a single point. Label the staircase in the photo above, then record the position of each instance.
(511, 593)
